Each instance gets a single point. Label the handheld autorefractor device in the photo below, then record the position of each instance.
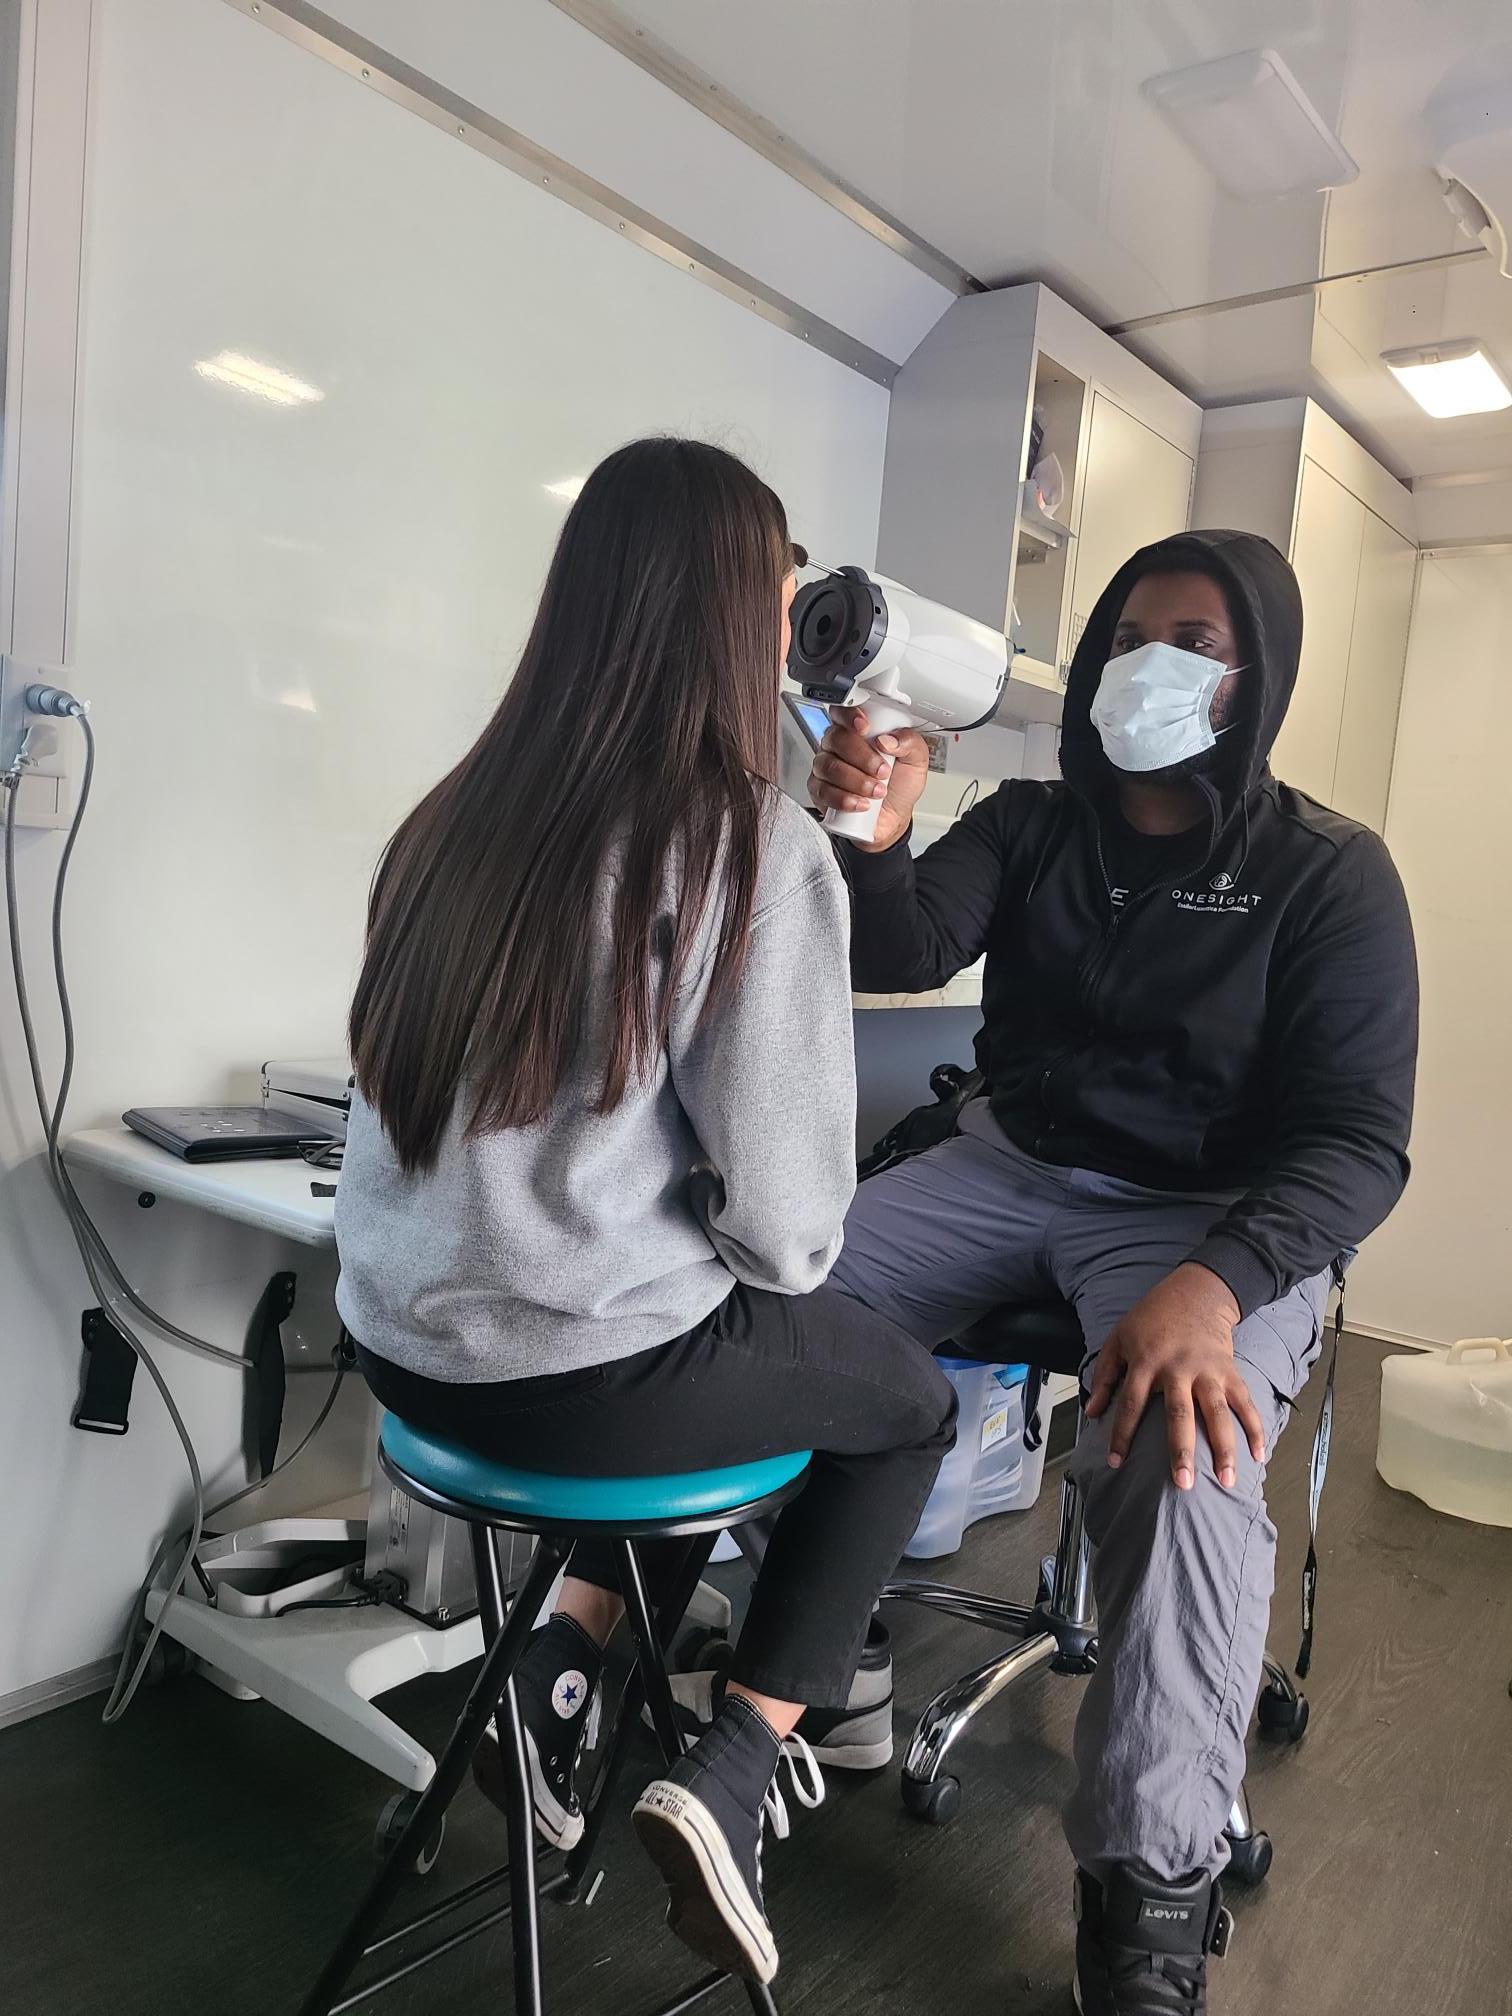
(860, 640)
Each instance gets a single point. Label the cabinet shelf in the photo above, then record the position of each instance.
(1039, 528)
(1033, 693)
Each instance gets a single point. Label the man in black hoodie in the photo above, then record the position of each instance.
(1199, 1038)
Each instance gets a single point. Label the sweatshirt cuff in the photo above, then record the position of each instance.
(866, 872)
(1248, 1275)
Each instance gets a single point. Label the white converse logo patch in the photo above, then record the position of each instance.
(569, 1694)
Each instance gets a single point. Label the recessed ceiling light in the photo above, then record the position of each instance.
(1254, 126)
(569, 489)
(263, 381)
(1448, 379)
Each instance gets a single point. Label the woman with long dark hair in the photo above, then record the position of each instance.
(602, 1143)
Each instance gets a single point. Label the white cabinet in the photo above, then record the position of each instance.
(954, 523)
(1135, 487)
(1285, 469)
(1377, 665)
(1326, 555)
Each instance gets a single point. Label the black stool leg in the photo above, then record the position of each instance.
(498, 1663)
(627, 1713)
(519, 1818)
(649, 1650)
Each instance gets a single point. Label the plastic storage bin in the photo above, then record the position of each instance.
(1446, 1429)
(989, 1470)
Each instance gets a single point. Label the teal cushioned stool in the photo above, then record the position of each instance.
(528, 1500)
(490, 1498)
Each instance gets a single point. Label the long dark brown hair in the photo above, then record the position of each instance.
(643, 715)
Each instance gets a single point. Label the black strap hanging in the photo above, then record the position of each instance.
(1034, 1427)
(1316, 1473)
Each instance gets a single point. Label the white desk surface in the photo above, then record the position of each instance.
(965, 991)
(274, 1195)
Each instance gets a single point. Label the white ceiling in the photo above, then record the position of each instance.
(1016, 139)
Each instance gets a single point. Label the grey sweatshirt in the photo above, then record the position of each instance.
(592, 1236)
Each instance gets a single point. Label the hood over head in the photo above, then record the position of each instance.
(1265, 605)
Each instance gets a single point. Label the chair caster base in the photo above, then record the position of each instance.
(936, 1801)
(701, 1650)
(1075, 1644)
(1250, 1860)
(1282, 1715)
(1077, 1663)
(392, 1822)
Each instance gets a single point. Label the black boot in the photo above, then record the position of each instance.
(1142, 1947)
(557, 1684)
(702, 1825)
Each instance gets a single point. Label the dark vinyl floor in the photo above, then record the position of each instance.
(200, 1857)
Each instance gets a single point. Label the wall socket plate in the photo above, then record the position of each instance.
(42, 794)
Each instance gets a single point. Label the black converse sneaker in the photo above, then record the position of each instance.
(1142, 1947)
(557, 1682)
(857, 1737)
(702, 1825)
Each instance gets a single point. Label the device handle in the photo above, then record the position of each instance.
(1460, 1351)
(884, 717)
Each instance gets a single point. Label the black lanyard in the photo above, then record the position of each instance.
(1317, 1471)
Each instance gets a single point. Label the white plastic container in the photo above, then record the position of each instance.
(1446, 1429)
(989, 1470)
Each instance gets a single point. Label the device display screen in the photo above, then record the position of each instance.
(811, 717)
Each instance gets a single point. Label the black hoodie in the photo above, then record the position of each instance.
(1246, 1022)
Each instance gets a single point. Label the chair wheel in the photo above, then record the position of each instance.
(169, 1661)
(699, 1648)
(392, 1822)
(1282, 1719)
(701, 1651)
(1250, 1860)
(718, 1656)
(935, 1800)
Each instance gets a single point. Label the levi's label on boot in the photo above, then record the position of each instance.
(1151, 1913)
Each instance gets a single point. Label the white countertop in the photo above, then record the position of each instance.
(274, 1195)
(965, 991)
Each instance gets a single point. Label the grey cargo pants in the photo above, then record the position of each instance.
(1182, 1580)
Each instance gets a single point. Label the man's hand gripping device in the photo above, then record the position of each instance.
(860, 640)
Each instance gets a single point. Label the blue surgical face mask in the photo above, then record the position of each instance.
(1153, 706)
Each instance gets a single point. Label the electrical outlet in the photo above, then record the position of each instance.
(42, 793)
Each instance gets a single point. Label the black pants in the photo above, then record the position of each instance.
(763, 1375)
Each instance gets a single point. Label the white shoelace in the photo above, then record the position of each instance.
(795, 1753)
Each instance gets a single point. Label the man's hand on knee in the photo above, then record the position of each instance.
(1179, 1342)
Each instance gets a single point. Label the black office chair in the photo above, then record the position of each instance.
(1060, 1628)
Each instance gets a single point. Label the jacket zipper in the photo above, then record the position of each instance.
(1091, 971)
(1094, 969)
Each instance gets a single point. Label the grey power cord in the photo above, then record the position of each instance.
(93, 1251)
(84, 1227)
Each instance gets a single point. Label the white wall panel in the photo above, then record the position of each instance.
(291, 618)
(1441, 1268)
